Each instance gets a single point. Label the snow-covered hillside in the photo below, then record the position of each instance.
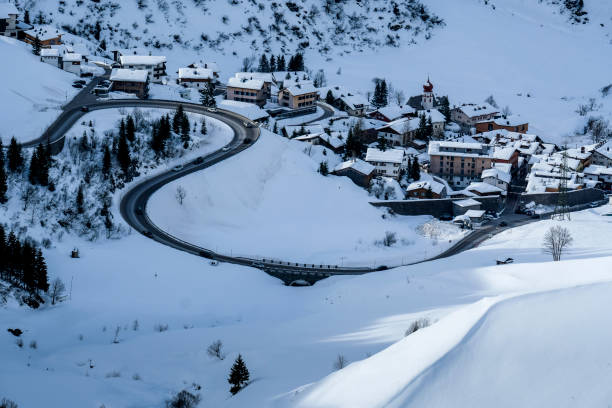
(269, 201)
(31, 91)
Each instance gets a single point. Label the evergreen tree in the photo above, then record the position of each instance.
(3, 254)
(36, 46)
(377, 100)
(14, 155)
(130, 128)
(272, 63)
(280, 64)
(185, 128)
(123, 155)
(382, 143)
(106, 162)
(26, 17)
(41, 280)
(428, 129)
(3, 191)
(384, 93)
(97, 30)
(264, 66)
(354, 147)
(203, 129)
(329, 98)
(275, 128)
(415, 171)
(445, 107)
(422, 130)
(323, 168)
(207, 95)
(103, 44)
(239, 375)
(122, 129)
(291, 64)
(80, 200)
(177, 120)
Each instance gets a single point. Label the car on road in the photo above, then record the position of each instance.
(84, 109)
(199, 160)
(248, 124)
(593, 205)
(178, 167)
(257, 265)
(211, 109)
(79, 86)
(247, 141)
(147, 234)
(80, 81)
(503, 224)
(225, 148)
(139, 210)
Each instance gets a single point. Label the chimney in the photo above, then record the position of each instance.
(582, 149)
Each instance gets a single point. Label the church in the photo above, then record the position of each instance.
(425, 101)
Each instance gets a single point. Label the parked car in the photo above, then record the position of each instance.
(80, 81)
(211, 109)
(257, 265)
(214, 263)
(446, 217)
(178, 167)
(225, 148)
(505, 261)
(147, 234)
(247, 141)
(84, 108)
(86, 74)
(199, 160)
(593, 205)
(503, 224)
(79, 86)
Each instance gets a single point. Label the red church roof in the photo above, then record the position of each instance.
(428, 87)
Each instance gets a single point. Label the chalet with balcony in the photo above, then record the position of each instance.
(154, 65)
(135, 81)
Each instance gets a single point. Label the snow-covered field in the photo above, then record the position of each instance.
(31, 92)
(288, 347)
(269, 201)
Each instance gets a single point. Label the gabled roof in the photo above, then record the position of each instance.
(474, 213)
(393, 112)
(497, 174)
(357, 165)
(248, 110)
(70, 56)
(385, 156)
(605, 149)
(302, 88)
(484, 188)
(468, 202)
(434, 114)
(472, 110)
(195, 73)
(129, 75)
(141, 59)
(49, 52)
(261, 76)
(426, 185)
(503, 153)
(254, 84)
(7, 9)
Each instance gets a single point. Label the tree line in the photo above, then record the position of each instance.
(275, 64)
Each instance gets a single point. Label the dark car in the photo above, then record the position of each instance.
(75, 85)
(84, 109)
(139, 211)
(80, 81)
(535, 216)
(148, 234)
(247, 141)
(199, 160)
(382, 268)
(503, 224)
(446, 217)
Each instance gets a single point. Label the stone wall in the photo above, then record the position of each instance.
(435, 207)
(574, 198)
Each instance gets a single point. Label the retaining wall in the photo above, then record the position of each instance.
(436, 207)
(574, 198)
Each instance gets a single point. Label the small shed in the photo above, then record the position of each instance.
(357, 170)
(461, 207)
(476, 216)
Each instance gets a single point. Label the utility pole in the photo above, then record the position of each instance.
(561, 212)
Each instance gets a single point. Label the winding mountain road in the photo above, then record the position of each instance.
(134, 202)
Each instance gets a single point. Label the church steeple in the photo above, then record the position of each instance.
(427, 100)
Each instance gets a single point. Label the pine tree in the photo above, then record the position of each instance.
(103, 44)
(122, 128)
(26, 17)
(123, 155)
(203, 129)
(422, 130)
(272, 63)
(329, 98)
(80, 200)
(428, 129)
(264, 66)
(382, 143)
(415, 171)
(291, 64)
(239, 375)
(106, 162)
(280, 63)
(130, 128)
(185, 128)
(97, 30)
(377, 96)
(177, 120)
(14, 156)
(3, 191)
(275, 128)
(384, 93)
(207, 95)
(445, 107)
(34, 169)
(36, 46)
(41, 280)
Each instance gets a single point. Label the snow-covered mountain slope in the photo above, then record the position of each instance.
(31, 91)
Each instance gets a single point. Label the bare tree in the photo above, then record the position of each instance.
(216, 350)
(180, 194)
(340, 362)
(506, 111)
(556, 240)
(389, 239)
(399, 97)
(247, 63)
(56, 290)
(491, 101)
(116, 338)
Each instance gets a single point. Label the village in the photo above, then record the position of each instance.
(400, 149)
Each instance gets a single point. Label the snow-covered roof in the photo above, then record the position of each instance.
(392, 112)
(302, 88)
(254, 84)
(483, 188)
(432, 185)
(195, 73)
(308, 129)
(129, 75)
(248, 110)
(49, 52)
(461, 149)
(497, 173)
(506, 121)
(503, 153)
(349, 97)
(70, 56)
(468, 202)
(474, 213)
(307, 137)
(598, 170)
(279, 76)
(434, 114)
(44, 32)
(459, 145)
(385, 156)
(352, 101)
(472, 110)
(7, 9)
(401, 125)
(605, 149)
(142, 59)
(261, 76)
(357, 165)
